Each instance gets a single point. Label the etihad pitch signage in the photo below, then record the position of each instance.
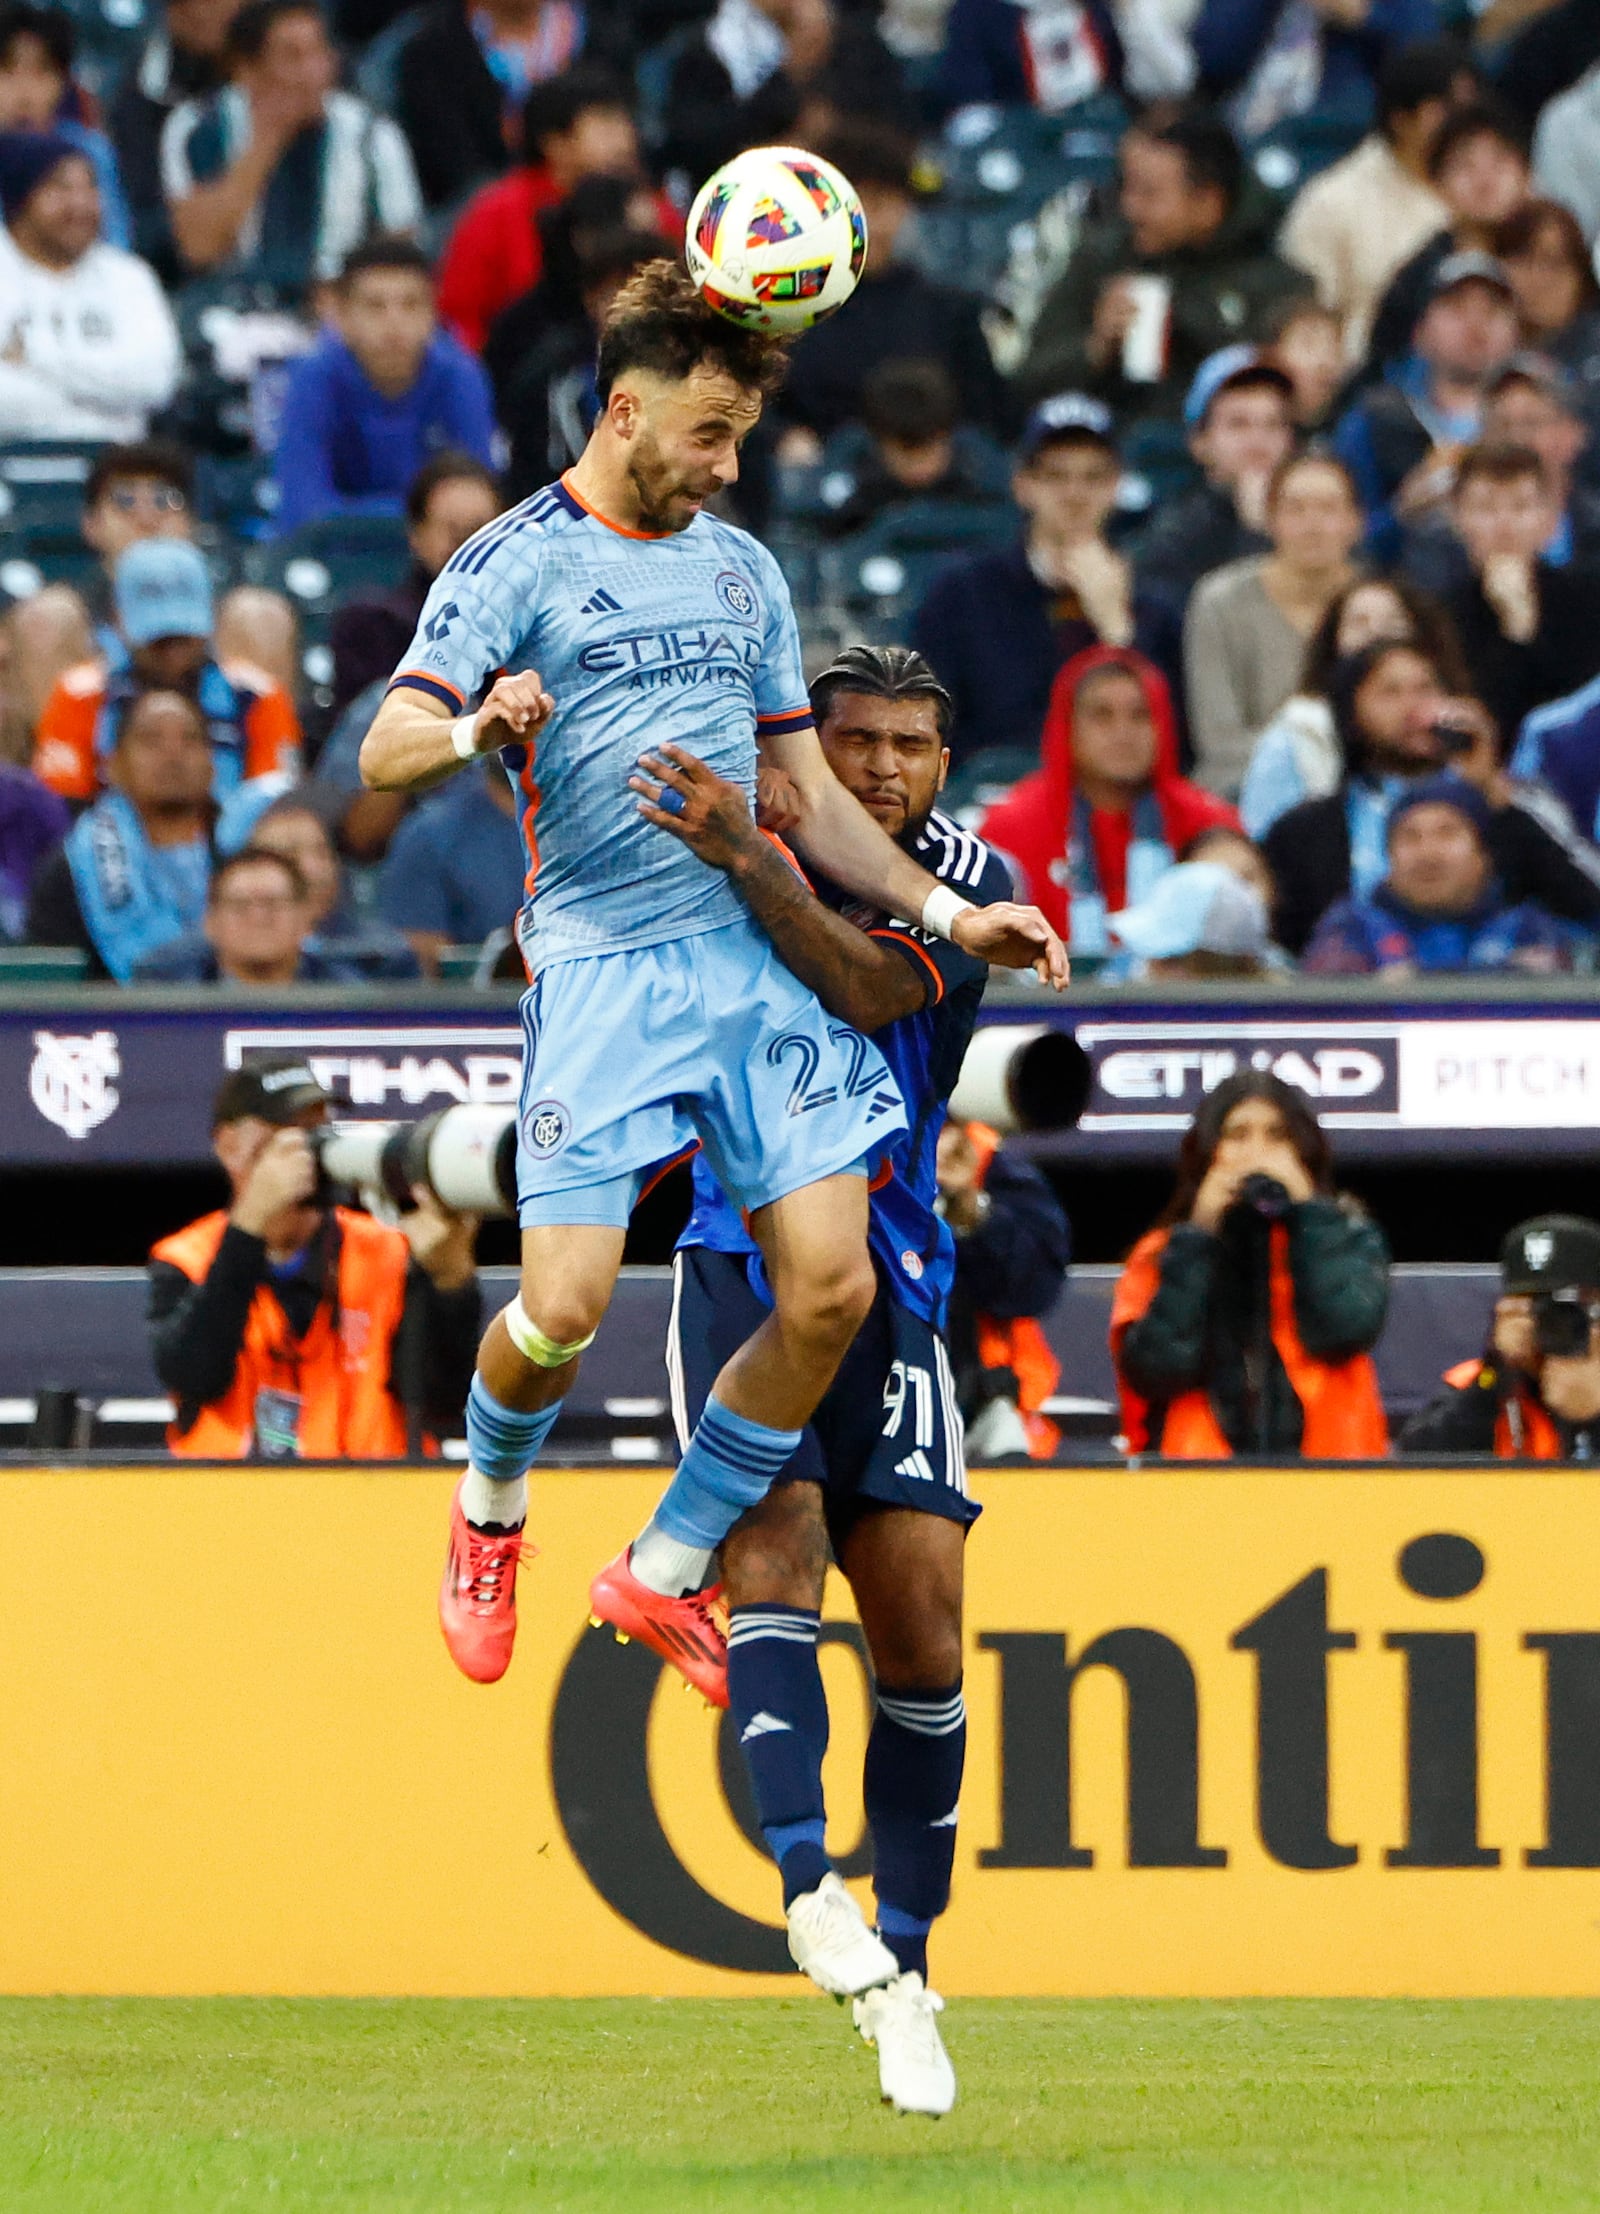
(129, 1078)
(1231, 1732)
(1413, 1077)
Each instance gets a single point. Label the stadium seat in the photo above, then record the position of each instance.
(879, 575)
(460, 964)
(1294, 151)
(44, 553)
(109, 35)
(1157, 466)
(42, 481)
(324, 562)
(378, 71)
(53, 965)
(997, 168)
(986, 777)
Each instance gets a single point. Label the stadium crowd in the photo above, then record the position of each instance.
(1219, 413)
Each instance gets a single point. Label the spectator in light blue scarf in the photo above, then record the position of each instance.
(133, 872)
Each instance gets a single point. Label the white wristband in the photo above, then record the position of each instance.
(464, 737)
(940, 909)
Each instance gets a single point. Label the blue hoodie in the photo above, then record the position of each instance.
(346, 450)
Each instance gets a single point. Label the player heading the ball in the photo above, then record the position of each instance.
(622, 614)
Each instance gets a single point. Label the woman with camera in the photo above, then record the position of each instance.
(1244, 1321)
(1396, 724)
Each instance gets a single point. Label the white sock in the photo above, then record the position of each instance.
(484, 1500)
(662, 1564)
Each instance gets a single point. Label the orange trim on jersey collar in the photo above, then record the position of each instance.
(605, 521)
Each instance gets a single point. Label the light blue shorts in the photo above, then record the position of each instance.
(630, 1058)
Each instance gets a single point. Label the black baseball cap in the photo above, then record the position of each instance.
(1074, 415)
(1552, 1253)
(278, 1088)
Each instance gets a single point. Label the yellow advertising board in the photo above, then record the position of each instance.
(1232, 1732)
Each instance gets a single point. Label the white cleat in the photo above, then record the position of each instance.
(902, 2020)
(829, 1941)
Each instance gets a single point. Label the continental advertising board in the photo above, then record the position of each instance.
(1316, 1731)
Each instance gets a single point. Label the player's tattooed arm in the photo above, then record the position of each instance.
(415, 742)
(836, 832)
(855, 977)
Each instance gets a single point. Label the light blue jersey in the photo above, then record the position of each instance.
(687, 637)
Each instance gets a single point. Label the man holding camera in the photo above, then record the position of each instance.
(288, 1328)
(1534, 1395)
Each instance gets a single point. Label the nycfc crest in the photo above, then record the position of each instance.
(72, 1081)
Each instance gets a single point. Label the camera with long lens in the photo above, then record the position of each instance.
(466, 1156)
(1029, 1076)
(1563, 1321)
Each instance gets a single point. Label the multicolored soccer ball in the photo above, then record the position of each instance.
(776, 240)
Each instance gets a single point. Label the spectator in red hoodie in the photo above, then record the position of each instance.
(1106, 813)
(577, 125)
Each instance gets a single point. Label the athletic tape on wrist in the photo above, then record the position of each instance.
(940, 909)
(464, 736)
(531, 1342)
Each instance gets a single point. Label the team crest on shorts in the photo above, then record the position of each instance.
(546, 1126)
(737, 597)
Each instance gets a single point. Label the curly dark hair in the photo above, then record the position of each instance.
(1432, 632)
(659, 321)
(1198, 1148)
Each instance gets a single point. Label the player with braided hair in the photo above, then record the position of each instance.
(879, 1473)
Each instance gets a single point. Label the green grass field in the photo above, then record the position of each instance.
(472, 2106)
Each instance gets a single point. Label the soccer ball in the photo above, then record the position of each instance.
(776, 240)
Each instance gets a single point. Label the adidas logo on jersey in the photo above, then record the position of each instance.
(916, 1465)
(762, 1725)
(600, 603)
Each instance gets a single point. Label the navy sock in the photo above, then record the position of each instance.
(915, 1755)
(778, 1705)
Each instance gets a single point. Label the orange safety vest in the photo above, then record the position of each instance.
(1344, 1419)
(1539, 1439)
(339, 1371)
(1019, 1344)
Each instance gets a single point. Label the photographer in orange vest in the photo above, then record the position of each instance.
(1534, 1392)
(285, 1328)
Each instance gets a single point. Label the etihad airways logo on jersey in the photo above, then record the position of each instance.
(674, 655)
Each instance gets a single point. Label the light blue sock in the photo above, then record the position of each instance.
(730, 1463)
(501, 1447)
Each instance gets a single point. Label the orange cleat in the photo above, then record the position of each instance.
(478, 1597)
(684, 1631)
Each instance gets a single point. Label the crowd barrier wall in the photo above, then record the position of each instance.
(1318, 1731)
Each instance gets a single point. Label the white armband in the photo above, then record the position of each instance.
(464, 736)
(940, 909)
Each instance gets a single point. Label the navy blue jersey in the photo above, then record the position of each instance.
(910, 1242)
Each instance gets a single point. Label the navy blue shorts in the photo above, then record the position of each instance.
(888, 1433)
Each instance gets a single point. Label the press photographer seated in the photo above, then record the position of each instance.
(1244, 1321)
(1534, 1393)
(287, 1328)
